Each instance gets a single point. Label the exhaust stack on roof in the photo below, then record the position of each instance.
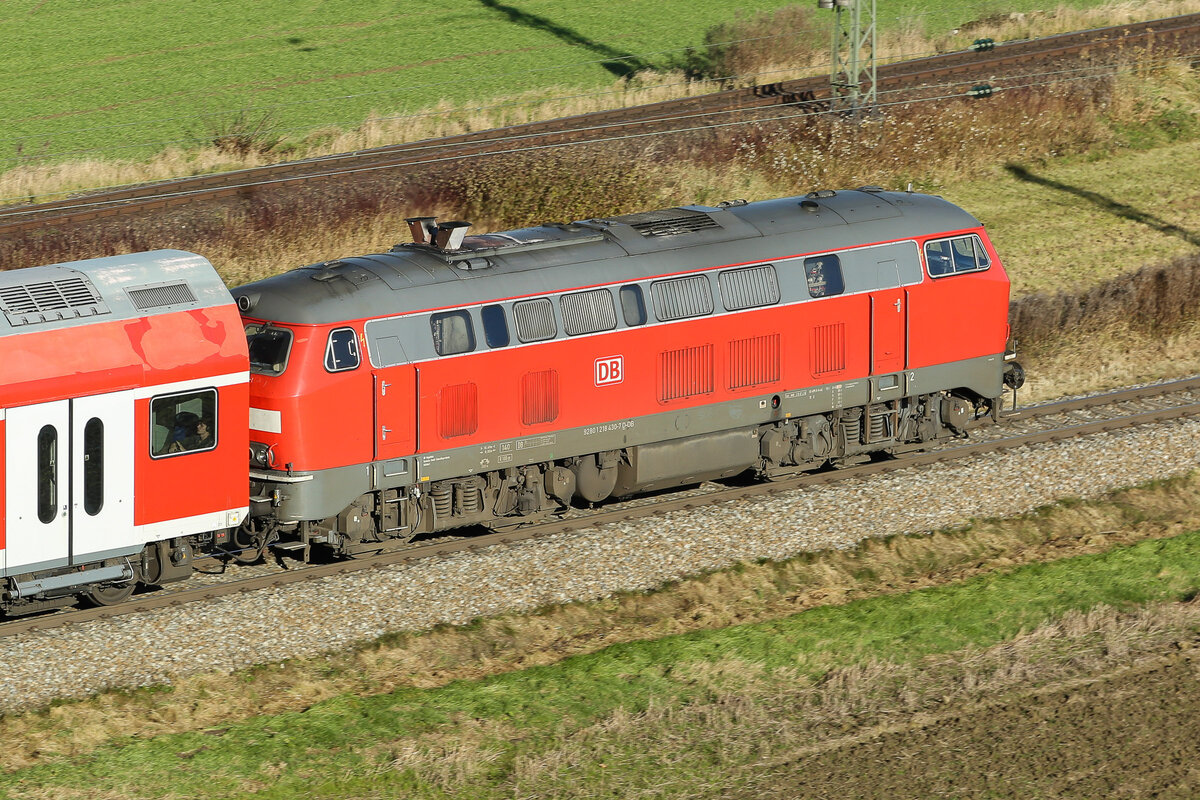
(450, 235)
(422, 229)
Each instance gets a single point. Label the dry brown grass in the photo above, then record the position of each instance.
(752, 593)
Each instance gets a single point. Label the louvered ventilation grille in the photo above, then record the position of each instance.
(49, 299)
(754, 361)
(459, 410)
(685, 373)
(588, 312)
(166, 295)
(749, 288)
(539, 397)
(668, 222)
(829, 348)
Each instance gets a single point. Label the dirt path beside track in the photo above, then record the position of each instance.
(1132, 732)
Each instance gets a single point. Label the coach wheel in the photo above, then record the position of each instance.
(111, 594)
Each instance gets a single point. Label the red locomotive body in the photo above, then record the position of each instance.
(490, 379)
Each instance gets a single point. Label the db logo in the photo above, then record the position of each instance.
(610, 369)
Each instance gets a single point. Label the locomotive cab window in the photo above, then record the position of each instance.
(824, 276)
(952, 256)
(183, 423)
(269, 348)
(452, 333)
(341, 352)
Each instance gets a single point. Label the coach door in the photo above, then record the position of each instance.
(889, 316)
(68, 480)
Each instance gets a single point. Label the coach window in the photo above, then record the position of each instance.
(183, 423)
(93, 466)
(824, 276)
(495, 326)
(952, 256)
(633, 306)
(452, 333)
(535, 320)
(341, 352)
(47, 474)
(269, 348)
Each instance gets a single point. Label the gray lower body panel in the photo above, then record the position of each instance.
(330, 491)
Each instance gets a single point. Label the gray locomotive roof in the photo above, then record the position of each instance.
(106, 289)
(557, 257)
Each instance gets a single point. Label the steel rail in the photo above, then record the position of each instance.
(1188, 389)
(804, 94)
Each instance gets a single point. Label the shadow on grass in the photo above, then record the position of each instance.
(623, 65)
(1107, 204)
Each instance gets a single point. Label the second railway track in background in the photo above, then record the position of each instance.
(949, 72)
(1050, 422)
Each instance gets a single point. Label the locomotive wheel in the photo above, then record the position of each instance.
(111, 595)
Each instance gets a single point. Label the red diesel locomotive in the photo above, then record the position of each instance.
(488, 380)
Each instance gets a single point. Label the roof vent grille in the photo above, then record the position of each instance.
(668, 222)
(166, 294)
(65, 298)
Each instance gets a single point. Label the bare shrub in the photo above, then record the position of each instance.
(1151, 300)
(243, 134)
(741, 51)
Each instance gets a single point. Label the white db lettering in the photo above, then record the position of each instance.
(610, 369)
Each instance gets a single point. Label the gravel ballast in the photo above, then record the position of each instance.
(314, 617)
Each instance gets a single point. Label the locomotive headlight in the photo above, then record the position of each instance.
(261, 455)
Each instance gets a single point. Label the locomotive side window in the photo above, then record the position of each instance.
(633, 306)
(495, 326)
(588, 312)
(749, 288)
(269, 348)
(824, 276)
(452, 333)
(341, 352)
(183, 423)
(535, 320)
(679, 298)
(93, 466)
(47, 474)
(952, 256)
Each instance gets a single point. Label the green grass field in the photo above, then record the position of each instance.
(128, 79)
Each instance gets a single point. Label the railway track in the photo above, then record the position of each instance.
(1110, 411)
(950, 73)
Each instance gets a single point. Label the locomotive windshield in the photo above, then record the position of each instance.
(269, 348)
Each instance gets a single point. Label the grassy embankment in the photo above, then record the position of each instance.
(897, 627)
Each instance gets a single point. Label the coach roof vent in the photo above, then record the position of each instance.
(43, 301)
(162, 294)
(668, 222)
